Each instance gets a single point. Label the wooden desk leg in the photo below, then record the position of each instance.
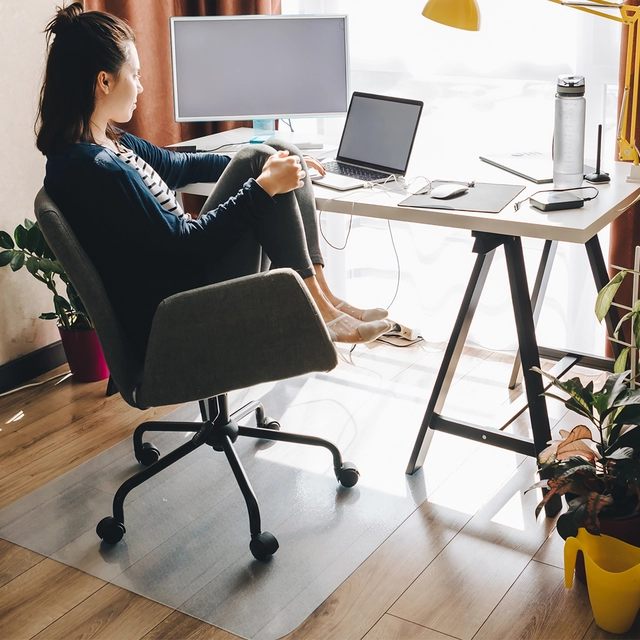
(451, 356)
(529, 355)
(537, 298)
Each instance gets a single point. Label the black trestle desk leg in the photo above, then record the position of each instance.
(452, 354)
(529, 354)
(601, 277)
(537, 298)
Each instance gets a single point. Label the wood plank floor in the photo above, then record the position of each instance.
(459, 567)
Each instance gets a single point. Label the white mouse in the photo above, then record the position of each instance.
(448, 190)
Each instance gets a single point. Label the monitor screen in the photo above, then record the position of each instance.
(252, 67)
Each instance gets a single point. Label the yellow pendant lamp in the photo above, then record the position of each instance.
(460, 14)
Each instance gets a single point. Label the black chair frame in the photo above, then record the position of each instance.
(219, 430)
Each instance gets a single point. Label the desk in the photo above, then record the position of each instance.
(492, 231)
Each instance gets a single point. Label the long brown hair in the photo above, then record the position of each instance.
(80, 45)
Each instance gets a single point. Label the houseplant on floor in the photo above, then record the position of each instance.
(597, 468)
(29, 248)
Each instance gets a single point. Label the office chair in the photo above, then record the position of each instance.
(204, 343)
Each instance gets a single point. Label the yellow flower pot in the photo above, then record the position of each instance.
(613, 578)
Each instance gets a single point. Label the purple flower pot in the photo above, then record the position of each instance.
(84, 355)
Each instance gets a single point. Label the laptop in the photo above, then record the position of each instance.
(376, 142)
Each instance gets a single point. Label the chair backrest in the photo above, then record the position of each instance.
(125, 367)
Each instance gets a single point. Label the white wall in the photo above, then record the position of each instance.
(22, 298)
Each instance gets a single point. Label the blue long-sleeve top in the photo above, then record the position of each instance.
(142, 252)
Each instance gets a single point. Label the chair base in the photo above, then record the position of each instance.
(219, 430)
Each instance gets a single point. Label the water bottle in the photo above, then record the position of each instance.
(568, 132)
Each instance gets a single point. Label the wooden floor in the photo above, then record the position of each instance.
(444, 573)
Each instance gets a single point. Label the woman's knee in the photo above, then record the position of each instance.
(283, 145)
(253, 157)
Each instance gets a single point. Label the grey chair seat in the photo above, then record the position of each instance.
(203, 344)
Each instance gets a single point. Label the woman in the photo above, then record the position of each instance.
(116, 190)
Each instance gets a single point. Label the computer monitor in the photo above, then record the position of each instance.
(259, 67)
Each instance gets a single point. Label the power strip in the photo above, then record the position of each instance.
(404, 332)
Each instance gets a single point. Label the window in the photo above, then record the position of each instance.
(485, 92)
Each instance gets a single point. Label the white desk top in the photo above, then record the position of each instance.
(573, 225)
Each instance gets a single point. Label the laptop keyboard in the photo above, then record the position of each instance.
(349, 170)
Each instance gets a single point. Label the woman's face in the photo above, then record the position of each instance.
(121, 100)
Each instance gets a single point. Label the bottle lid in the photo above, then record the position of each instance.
(571, 85)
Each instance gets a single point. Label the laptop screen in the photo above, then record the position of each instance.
(379, 132)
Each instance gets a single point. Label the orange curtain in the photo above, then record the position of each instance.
(154, 119)
(625, 229)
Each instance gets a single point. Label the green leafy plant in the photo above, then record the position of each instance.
(598, 468)
(29, 248)
(603, 304)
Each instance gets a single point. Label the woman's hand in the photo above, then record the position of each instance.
(314, 163)
(281, 173)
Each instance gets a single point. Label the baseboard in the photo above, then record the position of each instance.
(34, 364)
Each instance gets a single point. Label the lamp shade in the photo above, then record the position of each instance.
(461, 14)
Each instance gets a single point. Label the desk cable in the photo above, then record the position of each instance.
(375, 189)
(64, 375)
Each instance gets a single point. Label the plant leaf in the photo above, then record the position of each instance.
(567, 523)
(614, 387)
(6, 257)
(49, 315)
(621, 453)
(578, 471)
(46, 265)
(636, 323)
(62, 302)
(32, 264)
(56, 267)
(75, 300)
(622, 320)
(573, 444)
(607, 293)
(17, 261)
(595, 502)
(33, 239)
(28, 224)
(629, 438)
(555, 485)
(620, 364)
(6, 241)
(20, 236)
(541, 484)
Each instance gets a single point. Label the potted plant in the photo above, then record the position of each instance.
(597, 467)
(29, 248)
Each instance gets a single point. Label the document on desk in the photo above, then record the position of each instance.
(484, 197)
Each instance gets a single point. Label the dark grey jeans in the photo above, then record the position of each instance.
(287, 237)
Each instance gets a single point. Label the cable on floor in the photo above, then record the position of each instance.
(66, 374)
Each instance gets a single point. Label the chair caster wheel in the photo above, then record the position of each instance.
(147, 455)
(263, 546)
(270, 424)
(348, 475)
(110, 530)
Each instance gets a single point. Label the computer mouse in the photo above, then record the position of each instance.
(448, 190)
